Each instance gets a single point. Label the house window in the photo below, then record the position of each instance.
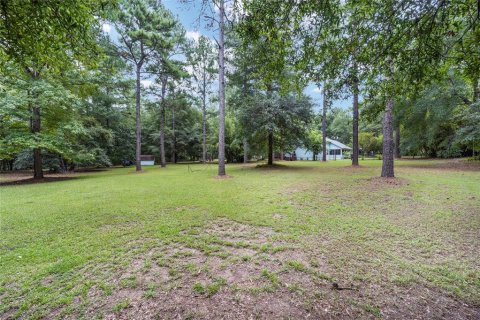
(333, 152)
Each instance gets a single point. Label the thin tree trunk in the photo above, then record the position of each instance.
(221, 81)
(138, 129)
(174, 137)
(324, 125)
(37, 152)
(270, 148)
(245, 150)
(204, 123)
(398, 153)
(476, 90)
(355, 123)
(163, 162)
(387, 158)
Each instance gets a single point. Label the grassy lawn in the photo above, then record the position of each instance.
(266, 243)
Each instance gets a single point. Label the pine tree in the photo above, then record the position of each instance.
(145, 28)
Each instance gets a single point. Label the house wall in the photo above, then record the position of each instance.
(303, 154)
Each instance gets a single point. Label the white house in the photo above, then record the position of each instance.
(335, 150)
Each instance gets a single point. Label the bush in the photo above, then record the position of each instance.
(50, 161)
(451, 151)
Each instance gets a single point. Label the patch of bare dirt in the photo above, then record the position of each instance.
(377, 183)
(224, 177)
(177, 281)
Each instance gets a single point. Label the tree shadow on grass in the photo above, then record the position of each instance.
(278, 166)
(24, 181)
(447, 165)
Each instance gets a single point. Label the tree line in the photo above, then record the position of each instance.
(72, 94)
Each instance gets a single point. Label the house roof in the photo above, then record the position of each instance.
(338, 144)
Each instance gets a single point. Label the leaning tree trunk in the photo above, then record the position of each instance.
(388, 146)
(270, 148)
(163, 162)
(221, 94)
(37, 152)
(138, 129)
(245, 150)
(355, 123)
(324, 125)
(398, 153)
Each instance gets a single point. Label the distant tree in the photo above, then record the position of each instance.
(313, 141)
(201, 58)
(145, 28)
(284, 117)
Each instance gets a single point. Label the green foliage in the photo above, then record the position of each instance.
(50, 36)
(368, 142)
(146, 29)
(339, 126)
(313, 141)
(431, 120)
(287, 117)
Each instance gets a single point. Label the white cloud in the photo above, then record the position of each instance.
(194, 35)
(317, 90)
(106, 28)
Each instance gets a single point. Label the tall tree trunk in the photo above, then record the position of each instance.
(37, 152)
(398, 153)
(163, 162)
(270, 148)
(324, 125)
(138, 129)
(245, 150)
(355, 122)
(174, 137)
(476, 90)
(387, 162)
(204, 123)
(221, 94)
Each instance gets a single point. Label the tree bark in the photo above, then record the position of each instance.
(138, 129)
(270, 148)
(245, 150)
(476, 90)
(37, 152)
(355, 123)
(387, 158)
(204, 123)
(163, 162)
(221, 81)
(174, 137)
(324, 125)
(398, 154)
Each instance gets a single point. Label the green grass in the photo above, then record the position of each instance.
(61, 239)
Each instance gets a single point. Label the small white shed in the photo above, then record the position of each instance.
(147, 160)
